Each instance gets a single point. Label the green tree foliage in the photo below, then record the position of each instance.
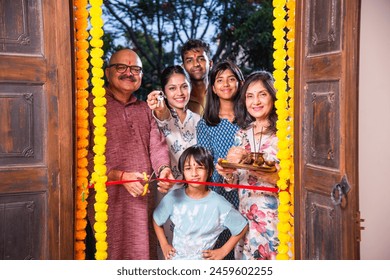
(156, 30)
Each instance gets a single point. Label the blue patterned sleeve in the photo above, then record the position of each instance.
(203, 137)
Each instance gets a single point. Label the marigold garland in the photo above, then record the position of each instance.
(290, 75)
(81, 24)
(284, 123)
(99, 177)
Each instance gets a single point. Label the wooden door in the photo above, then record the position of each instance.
(36, 130)
(326, 122)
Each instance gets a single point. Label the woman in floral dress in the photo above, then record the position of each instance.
(257, 120)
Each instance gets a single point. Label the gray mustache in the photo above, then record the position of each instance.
(131, 78)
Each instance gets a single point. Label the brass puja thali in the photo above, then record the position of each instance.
(253, 161)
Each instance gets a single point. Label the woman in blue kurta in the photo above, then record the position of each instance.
(217, 128)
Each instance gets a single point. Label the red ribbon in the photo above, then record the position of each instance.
(233, 186)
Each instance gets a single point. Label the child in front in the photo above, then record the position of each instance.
(199, 215)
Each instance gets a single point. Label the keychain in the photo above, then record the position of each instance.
(160, 98)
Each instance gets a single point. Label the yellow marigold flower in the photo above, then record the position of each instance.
(284, 197)
(97, 22)
(284, 237)
(284, 217)
(279, 64)
(99, 159)
(99, 121)
(101, 197)
(99, 101)
(97, 52)
(100, 255)
(283, 208)
(279, 23)
(99, 92)
(278, 33)
(99, 207)
(100, 131)
(95, 10)
(101, 140)
(100, 111)
(284, 227)
(279, 74)
(100, 236)
(101, 216)
(101, 246)
(97, 61)
(283, 249)
(97, 72)
(100, 227)
(97, 82)
(282, 257)
(96, 43)
(285, 174)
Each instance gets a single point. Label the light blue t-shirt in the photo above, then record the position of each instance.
(198, 222)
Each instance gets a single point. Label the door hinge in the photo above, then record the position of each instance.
(359, 228)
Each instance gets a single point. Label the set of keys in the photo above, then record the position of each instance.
(160, 98)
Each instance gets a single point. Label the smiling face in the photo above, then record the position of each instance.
(197, 64)
(177, 91)
(124, 83)
(194, 172)
(258, 101)
(226, 85)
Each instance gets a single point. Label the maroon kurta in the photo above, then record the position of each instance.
(134, 144)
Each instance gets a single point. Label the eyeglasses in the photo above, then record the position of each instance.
(122, 68)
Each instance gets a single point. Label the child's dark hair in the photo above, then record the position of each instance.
(192, 44)
(201, 156)
(244, 119)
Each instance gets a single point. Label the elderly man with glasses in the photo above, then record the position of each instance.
(134, 146)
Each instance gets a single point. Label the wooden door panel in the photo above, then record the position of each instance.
(326, 103)
(23, 235)
(322, 221)
(36, 130)
(21, 124)
(324, 26)
(321, 142)
(21, 27)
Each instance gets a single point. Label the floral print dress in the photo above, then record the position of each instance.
(259, 207)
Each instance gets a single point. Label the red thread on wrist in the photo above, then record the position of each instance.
(121, 177)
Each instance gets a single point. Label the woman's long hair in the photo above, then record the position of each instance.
(211, 112)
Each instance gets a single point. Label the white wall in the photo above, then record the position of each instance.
(374, 129)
